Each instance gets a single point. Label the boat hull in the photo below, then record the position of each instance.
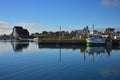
(95, 42)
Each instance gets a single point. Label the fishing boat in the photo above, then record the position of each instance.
(95, 39)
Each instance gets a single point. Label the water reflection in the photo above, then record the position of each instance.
(96, 51)
(19, 46)
(83, 49)
(86, 50)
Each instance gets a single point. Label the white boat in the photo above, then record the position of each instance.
(36, 39)
(93, 39)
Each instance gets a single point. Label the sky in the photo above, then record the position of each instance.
(40, 15)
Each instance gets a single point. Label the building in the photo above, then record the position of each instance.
(19, 32)
(86, 31)
(96, 32)
(82, 34)
(109, 31)
(5, 37)
(117, 35)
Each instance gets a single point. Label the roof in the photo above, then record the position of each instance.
(18, 27)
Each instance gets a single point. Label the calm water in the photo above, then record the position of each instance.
(30, 61)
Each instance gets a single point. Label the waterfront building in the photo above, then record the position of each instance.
(18, 31)
(82, 34)
(5, 37)
(86, 31)
(117, 35)
(109, 31)
(78, 33)
(96, 32)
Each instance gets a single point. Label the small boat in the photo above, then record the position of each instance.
(36, 39)
(93, 39)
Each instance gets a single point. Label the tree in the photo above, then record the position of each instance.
(44, 32)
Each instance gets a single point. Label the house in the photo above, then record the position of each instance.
(18, 31)
(82, 34)
(117, 35)
(109, 31)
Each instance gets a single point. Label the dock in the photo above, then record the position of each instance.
(75, 42)
(63, 42)
(116, 42)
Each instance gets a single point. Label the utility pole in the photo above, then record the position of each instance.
(93, 28)
(60, 33)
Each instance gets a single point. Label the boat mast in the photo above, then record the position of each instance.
(93, 29)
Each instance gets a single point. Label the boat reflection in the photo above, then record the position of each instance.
(19, 46)
(97, 50)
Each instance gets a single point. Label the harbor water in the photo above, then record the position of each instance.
(34, 61)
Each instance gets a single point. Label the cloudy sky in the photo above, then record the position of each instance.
(39, 15)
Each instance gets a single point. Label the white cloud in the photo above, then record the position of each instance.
(28, 24)
(32, 27)
(110, 3)
(2, 23)
(5, 28)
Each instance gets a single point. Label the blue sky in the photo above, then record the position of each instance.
(39, 15)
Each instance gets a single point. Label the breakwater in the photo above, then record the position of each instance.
(116, 42)
(63, 42)
(66, 43)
